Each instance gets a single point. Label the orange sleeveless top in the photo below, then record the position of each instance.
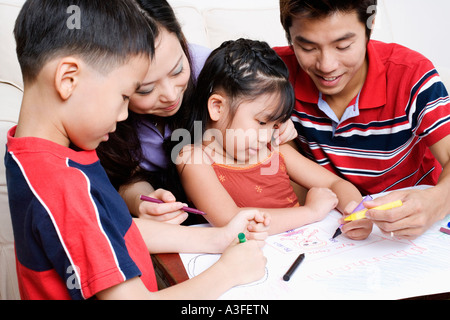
(263, 185)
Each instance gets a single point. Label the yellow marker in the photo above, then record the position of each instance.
(362, 213)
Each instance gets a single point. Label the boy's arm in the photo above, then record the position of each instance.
(162, 237)
(239, 264)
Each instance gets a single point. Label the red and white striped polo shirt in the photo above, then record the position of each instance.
(402, 109)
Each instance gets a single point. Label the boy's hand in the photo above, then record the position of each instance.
(253, 223)
(169, 211)
(243, 262)
(355, 230)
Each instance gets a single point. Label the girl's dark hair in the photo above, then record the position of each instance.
(122, 154)
(242, 70)
(43, 31)
(313, 9)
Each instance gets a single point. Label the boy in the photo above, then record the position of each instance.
(74, 236)
(376, 114)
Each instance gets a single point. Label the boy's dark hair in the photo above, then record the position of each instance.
(108, 33)
(243, 70)
(313, 9)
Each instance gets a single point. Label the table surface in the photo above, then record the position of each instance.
(171, 269)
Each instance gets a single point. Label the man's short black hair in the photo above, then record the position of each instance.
(312, 9)
(103, 33)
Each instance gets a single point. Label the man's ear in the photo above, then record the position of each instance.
(67, 76)
(216, 107)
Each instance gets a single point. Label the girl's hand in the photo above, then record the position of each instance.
(321, 201)
(169, 211)
(285, 133)
(355, 230)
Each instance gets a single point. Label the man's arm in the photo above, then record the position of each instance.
(421, 208)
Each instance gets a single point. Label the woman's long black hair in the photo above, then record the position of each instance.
(122, 154)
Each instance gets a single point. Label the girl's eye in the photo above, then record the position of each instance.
(262, 123)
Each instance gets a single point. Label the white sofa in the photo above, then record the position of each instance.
(418, 24)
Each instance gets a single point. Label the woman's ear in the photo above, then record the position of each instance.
(67, 76)
(216, 107)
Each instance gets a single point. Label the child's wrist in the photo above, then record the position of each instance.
(220, 239)
(310, 213)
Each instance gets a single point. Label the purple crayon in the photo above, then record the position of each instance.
(358, 208)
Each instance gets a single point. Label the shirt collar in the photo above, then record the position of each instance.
(25, 144)
(372, 95)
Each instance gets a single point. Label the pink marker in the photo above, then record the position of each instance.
(187, 209)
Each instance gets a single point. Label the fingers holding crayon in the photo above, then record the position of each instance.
(253, 223)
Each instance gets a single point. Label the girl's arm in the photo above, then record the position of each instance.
(167, 212)
(207, 193)
(310, 174)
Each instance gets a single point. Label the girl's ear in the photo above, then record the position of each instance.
(66, 76)
(216, 107)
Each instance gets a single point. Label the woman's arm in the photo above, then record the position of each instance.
(169, 211)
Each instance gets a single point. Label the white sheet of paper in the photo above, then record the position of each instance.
(379, 267)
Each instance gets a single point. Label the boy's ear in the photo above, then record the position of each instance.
(66, 76)
(216, 107)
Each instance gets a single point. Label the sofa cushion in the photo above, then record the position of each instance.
(230, 24)
(10, 100)
(9, 65)
(191, 20)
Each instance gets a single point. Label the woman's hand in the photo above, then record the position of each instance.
(170, 211)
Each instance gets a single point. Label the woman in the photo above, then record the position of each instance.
(137, 156)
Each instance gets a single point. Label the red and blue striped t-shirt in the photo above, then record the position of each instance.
(73, 233)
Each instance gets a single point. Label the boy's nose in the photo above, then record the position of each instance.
(123, 115)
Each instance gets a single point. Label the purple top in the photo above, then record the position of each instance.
(155, 158)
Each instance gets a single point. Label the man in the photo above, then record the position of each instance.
(376, 114)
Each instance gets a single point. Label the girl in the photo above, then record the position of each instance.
(137, 155)
(243, 95)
